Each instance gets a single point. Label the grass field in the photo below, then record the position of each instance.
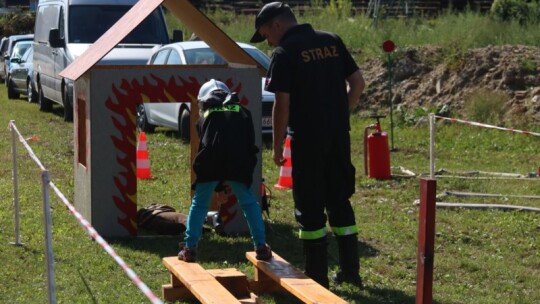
(482, 256)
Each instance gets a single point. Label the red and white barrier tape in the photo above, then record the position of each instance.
(488, 126)
(12, 126)
(95, 235)
(91, 231)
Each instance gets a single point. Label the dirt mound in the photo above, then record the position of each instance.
(424, 77)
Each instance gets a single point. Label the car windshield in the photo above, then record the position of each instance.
(88, 22)
(20, 48)
(27, 56)
(208, 56)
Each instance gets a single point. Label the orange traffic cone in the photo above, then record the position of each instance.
(143, 163)
(285, 173)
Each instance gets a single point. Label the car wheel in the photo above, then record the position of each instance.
(45, 105)
(142, 120)
(30, 93)
(184, 124)
(68, 107)
(12, 94)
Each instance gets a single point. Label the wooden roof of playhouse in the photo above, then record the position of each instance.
(195, 20)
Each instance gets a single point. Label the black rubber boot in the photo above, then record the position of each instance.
(349, 264)
(316, 260)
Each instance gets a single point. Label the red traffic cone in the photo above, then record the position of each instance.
(143, 162)
(285, 173)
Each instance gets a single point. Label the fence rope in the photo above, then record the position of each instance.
(27, 146)
(95, 235)
(89, 229)
(488, 126)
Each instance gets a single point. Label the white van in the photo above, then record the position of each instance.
(64, 29)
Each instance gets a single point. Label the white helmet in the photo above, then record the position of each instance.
(212, 93)
(210, 86)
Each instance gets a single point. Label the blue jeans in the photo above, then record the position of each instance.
(201, 202)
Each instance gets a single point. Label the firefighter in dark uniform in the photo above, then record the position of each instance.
(227, 153)
(316, 82)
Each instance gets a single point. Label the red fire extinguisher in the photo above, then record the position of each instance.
(376, 152)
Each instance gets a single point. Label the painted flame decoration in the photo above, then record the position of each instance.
(227, 200)
(123, 116)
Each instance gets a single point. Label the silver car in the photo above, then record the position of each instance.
(20, 76)
(12, 41)
(175, 115)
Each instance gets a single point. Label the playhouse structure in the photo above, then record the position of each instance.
(105, 100)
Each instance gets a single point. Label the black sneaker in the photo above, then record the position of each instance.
(188, 254)
(263, 252)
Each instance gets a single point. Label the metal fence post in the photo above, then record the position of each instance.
(48, 236)
(15, 177)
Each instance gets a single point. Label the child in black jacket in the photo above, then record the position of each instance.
(227, 153)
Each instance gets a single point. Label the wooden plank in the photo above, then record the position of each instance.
(293, 280)
(172, 293)
(233, 280)
(262, 283)
(201, 283)
(210, 33)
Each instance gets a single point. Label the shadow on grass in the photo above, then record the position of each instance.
(283, 238)
(57, 110)
(215, 250)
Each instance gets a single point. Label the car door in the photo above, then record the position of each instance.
(44, 55)
(20, 70)
(17, 67)
(60, 60)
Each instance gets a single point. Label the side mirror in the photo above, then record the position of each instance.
(15, 60)
(178, 36)
(54, 38)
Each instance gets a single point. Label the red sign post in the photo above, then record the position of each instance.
(426, 242)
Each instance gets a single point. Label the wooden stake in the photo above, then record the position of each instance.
(426, 241)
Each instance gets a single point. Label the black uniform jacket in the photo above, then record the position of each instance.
(312, 66)
(227, 149)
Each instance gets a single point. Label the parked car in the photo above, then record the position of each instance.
(175, 115)
(16, 54)
(3, 49)
(20, 79)
(66, 28)
(12, 41)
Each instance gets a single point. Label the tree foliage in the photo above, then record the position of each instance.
(17, 23)
(521, 11)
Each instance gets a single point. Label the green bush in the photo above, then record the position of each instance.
(521, 11)
(17, 23)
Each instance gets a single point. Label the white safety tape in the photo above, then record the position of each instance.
(95, 235)
(25, 144)
(487, 126)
